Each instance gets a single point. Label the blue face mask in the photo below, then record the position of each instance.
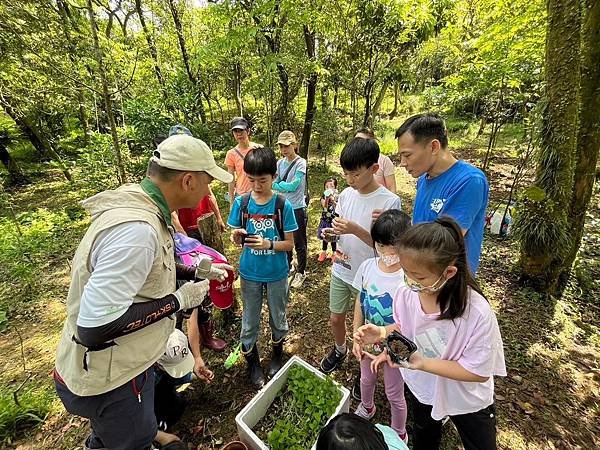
(328, 192)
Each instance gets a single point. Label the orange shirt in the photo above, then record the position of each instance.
(235, 161)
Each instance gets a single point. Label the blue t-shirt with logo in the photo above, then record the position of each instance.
(461, 192)
(263, 265)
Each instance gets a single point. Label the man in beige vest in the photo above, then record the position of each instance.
(123, 296)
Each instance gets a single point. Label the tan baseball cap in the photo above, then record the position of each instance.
(287, 138)
(186, 153)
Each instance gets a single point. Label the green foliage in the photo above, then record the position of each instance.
(308, 401)
(98, 163)
(32, 245)
(540, 224)
(32, 410)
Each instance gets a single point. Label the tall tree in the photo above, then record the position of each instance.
(194, 80)
(551, 217)
(106, 94)
(66, 21)
(588, 136)
(153, 53)
(309, 38)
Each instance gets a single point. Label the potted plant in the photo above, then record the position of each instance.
(291, 409)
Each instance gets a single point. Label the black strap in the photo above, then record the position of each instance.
(277, 214)
(288, 170)
(239, 153)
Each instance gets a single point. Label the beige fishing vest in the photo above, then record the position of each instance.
(114, 366)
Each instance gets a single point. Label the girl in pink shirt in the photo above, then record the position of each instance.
(459, 347)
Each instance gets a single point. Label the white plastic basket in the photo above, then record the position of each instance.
(256, 408)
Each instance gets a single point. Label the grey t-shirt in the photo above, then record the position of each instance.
(296, 198)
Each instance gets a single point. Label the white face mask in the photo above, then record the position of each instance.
(389, 260)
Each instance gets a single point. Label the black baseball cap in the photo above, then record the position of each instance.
(239, 123)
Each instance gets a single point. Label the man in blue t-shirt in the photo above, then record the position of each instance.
(263, 263)
(445, 186)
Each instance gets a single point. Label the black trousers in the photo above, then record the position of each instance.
(121, 419)
(300, 243)
(477, 430)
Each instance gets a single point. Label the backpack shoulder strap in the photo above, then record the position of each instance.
(244, 209)
(289, 169)
(279, 205)
(239, 153)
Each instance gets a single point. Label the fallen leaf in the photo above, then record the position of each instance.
(526, 407)
(538, 398)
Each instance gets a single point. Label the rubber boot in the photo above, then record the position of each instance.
(276, 358)
(254, 370)
(208, 340)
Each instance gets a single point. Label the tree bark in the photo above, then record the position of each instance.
(588, 136)
(379, 101)
(309, 39)
(121, 175)
(543, 225)
(237, 86)
(394, 112)
(186, 61)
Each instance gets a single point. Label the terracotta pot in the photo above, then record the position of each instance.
(235, 445)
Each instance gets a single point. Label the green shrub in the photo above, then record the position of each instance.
(32, 409)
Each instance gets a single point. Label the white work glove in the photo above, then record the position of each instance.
(206, 270)
(192, 293)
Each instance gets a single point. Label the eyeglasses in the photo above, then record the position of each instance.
(351, 176)
(415, 286)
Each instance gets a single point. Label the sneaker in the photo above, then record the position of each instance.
(333, 360)
(356, 388)
(322, 256)
(87, 445)
(298, 280)
(365, 413)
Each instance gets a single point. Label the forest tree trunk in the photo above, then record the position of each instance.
(379, 101)
(309, 39)
(121, 175)
(34, 135)
(542, 223)
(79, 93)
(186, 60)
(394, 112)
(588, 136)
(154, 54)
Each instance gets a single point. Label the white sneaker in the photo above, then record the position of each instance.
(361, 411)
(298, 280)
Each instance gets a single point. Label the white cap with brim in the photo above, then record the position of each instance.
(177, 360)
(188, 154)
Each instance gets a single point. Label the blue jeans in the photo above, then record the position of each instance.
(252, 299)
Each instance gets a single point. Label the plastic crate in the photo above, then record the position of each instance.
(248, 417)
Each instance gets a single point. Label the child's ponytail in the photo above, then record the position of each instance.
(441, 244)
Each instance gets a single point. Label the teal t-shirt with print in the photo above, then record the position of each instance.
(263, 265)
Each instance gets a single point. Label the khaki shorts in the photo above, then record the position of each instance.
(342, 296)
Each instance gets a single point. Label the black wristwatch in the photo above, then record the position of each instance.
(272, 246)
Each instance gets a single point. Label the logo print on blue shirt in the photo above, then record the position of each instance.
(437, 204)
